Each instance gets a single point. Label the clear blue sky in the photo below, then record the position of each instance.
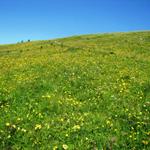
(46, 19)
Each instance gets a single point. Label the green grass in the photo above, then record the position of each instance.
(79, 93)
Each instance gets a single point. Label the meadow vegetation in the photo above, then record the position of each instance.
(89, 92)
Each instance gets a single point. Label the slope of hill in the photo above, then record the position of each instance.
(82, 92)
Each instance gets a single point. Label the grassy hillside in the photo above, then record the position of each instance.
(79, 93)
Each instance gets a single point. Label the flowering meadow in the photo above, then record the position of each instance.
(89, 92)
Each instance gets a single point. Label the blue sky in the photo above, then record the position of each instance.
(46, 19)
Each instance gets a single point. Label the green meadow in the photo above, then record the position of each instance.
(88, 92)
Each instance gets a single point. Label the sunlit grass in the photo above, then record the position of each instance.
(83, 92)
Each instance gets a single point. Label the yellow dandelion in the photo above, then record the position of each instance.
(130, 136)
(14, 126)
(23, 130)
(108, 122)
(18, 119)
(7, 124)
(145, 142)
(55, 147)
(123, 83)
(115, 130)
(18, 128)
(65, 146)
(61, 119)
(76, 127)
(38, 126)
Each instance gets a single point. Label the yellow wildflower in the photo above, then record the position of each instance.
(23, 130)
(108, 122)
(76, 127)
(61, 119)
(14, 126)
(65, 146)
(145, 142)
(18, 119)
(38, 126)
(7, 124)
(55, 147)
